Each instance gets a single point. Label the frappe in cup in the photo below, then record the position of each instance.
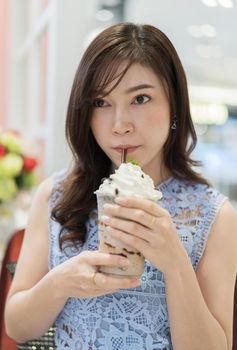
(129, 181)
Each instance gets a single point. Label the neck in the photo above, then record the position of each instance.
(157, 170)
(159, 175)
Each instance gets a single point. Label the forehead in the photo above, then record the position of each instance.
(136, 74)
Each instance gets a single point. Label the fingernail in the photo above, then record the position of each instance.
(119, 200)
(109, 229)
(105, 219)
(107, 206)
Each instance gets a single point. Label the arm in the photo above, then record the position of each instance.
(36, 296)
(200, 305)
(31, 282)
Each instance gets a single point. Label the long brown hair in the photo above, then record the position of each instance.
(127, 43)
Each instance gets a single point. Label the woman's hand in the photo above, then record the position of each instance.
(147, 227)
(79, 277)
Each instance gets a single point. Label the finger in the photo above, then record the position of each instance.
(108, 282)
(136, 215)
(96, 258)
(127, 226)
(147, 205)
(98, 280)
(134, 241)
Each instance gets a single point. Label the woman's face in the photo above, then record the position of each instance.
(136, 116)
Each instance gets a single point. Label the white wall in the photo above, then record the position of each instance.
(71, 22)
(67, 24)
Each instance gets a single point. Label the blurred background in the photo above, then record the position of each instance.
(41, 43)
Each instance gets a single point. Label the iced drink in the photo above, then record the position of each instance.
(128, 180)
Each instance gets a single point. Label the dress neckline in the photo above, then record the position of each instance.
(162, 185)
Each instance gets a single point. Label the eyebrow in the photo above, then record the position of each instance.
(139, 87)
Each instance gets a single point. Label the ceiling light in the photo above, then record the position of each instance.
(202, 30)
(195, 31)
(111, 3)
(208, 30)
(204, 113)
(210, 3)
(104, 15)
(213, 94)
(226, 3)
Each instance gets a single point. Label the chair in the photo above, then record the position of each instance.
(11, 254)
(46, 342)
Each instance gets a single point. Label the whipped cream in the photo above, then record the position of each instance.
(129, 180)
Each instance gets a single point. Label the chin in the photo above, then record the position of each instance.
(115, 164)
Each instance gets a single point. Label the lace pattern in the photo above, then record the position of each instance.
(134, 319)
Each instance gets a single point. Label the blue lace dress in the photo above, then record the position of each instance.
(134, 319)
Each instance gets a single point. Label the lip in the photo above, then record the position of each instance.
(129, 148)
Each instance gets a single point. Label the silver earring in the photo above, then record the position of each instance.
(174, 125)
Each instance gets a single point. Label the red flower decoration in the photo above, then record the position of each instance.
(29, 164)
(3, 151)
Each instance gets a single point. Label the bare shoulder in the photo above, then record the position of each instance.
(39, 211)
(39, 206)
(222, 242)
(227, 214)
(223, 236)
(45, 189)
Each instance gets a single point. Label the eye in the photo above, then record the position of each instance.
(99, 103)
(141, 99)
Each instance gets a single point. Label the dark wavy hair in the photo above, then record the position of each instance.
(121, 43)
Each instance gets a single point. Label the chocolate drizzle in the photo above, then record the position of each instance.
(131, 252)
(109, 245)
(120, 254)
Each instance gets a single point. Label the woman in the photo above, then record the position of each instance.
(129, 92)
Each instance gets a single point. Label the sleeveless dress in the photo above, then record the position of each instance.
(137, 318)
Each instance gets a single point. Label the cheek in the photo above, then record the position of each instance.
(96, 127)
(99, 131)
(158, 130)
(159, 123)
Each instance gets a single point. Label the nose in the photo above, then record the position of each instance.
(122, 123)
